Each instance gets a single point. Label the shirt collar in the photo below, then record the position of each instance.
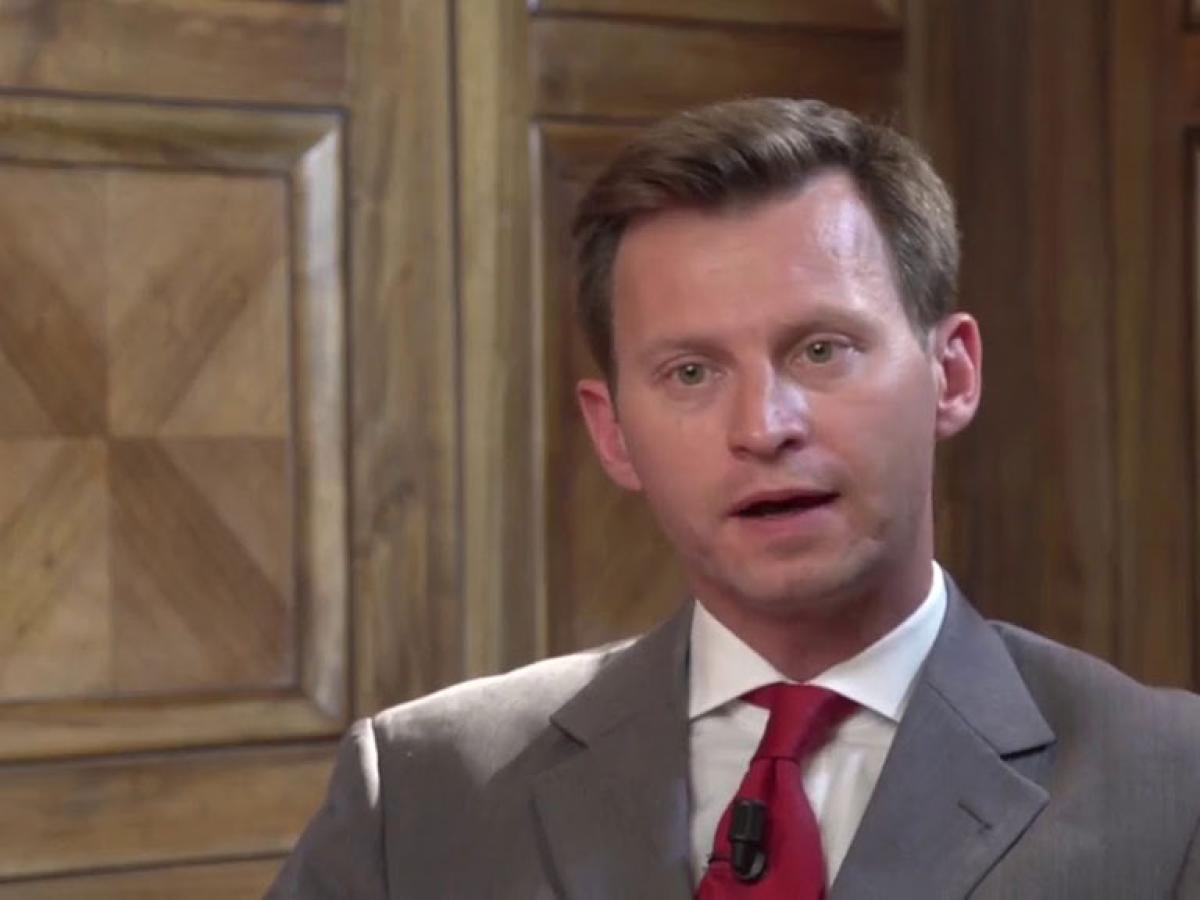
(722, 667)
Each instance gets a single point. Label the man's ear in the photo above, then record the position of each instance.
(600, 414)
(957, 357)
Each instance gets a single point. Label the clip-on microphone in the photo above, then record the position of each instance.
(746, 827)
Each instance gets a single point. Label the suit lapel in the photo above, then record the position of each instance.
(614, 814)
(949, 802)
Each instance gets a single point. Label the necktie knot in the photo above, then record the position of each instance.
(802, 717)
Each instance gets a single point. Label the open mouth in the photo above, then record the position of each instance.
(782, 504)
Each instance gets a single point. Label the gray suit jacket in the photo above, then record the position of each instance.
(1021, 769)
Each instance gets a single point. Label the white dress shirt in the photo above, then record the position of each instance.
(724, 730)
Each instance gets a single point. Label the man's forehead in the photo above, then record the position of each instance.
(826, 213)
(821, 231)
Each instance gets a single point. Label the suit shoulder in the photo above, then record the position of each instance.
(1082, 695)
(495, 710)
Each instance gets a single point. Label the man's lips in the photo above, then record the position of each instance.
(780, 502)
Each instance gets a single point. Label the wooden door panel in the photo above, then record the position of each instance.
(265, 51)
(239, 880)
(156, 810)
(174, 553)
(172, 537)
(858, 15)
(621, 69)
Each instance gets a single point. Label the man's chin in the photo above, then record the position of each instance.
(818, 591)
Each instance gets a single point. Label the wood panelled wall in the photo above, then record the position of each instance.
(1066, 129)
(286, 423)
(228, 440)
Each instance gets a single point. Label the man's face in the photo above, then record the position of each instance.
(773, 401)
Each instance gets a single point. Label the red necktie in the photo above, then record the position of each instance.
(802, 717)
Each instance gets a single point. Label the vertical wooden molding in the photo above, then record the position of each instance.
(1153, 372)
(931, 90)
(542, 330)
(503, 574)
(404, 334)
(321, 447)
(1073, 302)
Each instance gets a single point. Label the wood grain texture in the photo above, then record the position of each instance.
(503, 502)
(53, 366)
(1189, 65)
(404, 419)
(85, 727)
(157, 810)
(932, 89)
(202, 313)
(197, 304)
(611, 572)
(1155, 351)
(93, 132)
(265, 51)
(1027, 514)
(235, 880)
(636, 70)
(1071, 280)
(848, 15)
(320, 411)
(193, 607)
(1068, 506)
(55, 618)
(174, 576)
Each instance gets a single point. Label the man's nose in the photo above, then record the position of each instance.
(769, 416)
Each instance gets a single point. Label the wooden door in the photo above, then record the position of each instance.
(203, 208)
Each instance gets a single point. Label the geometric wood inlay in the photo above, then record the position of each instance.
(199, 564)
(55, 617)
(52, 348)
(189, 589)
(197, 304)
(173, 558)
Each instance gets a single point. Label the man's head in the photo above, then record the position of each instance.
(768, 286)
(737, 154)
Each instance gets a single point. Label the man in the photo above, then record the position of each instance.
(768, 286)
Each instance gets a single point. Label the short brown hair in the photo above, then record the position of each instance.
(746, 151)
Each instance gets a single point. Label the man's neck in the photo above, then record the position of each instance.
(803, 645)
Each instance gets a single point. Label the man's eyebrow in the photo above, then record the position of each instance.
(819, 319)
(680, 343)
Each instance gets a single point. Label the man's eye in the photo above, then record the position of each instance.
(691, 374)
(820, 352)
